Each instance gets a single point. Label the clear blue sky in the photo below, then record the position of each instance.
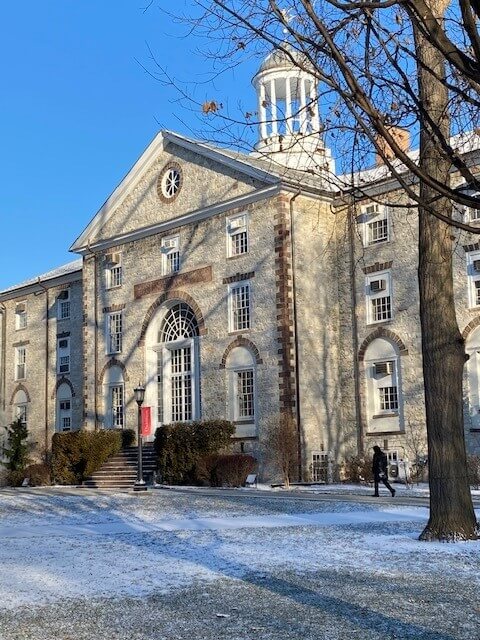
(76, 111)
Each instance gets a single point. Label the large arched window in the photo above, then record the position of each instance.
(173, 385)
(114, 398)
(472, 347)
(383, 382)
(20, 405)
(64, 408)
(241, 391)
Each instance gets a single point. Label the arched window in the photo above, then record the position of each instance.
(20, 404)
(173, 385)
(241, 391)
(114, 398)
(384, 395)
(472, 347)
(64, 408)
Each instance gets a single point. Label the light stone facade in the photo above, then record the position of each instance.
(309, 347)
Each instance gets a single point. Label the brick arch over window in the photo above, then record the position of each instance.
(240, 341)
(60, 381)
(181, 296)
(20, 387)
(113, 362)
(473, 324)
(382, 333)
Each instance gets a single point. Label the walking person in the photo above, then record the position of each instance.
(380, 470)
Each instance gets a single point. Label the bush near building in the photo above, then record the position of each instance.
(225, 470)
(78, 454)
(358, 469)
(180, 448)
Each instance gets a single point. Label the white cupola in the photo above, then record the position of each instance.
(288, 112)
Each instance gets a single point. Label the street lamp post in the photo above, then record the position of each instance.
(139, 398)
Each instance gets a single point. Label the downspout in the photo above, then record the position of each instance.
(95, 336)
(354, 306)
(45, 403)
(295, 339)
(3, 311)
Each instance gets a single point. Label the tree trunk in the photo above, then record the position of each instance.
(451, 510)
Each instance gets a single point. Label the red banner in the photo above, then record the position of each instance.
(146, 421)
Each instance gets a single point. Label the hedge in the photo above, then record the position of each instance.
(225, 470)
(78, 454)
(181, 446)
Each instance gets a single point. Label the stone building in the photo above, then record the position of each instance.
(239, 286)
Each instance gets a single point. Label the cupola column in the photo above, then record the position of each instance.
(303, 107)
(273, 108)
(262, 112)
(288, 105)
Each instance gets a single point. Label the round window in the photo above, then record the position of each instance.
(169, 182)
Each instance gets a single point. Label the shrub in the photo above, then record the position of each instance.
(39, 475)
(78, 454)
(358, 469)
(473, 470)
(16, 451)
(281, 446)
(128, 438)
(180, 446)
(15, 478)
(227, 470)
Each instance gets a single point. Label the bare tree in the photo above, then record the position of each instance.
(383, 64)
(281, 446)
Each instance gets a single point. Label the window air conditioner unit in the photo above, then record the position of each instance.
(378, 285)
(476, 266)
(372, 209)
(237, 223)
(63, 295)
(383, 368)
(20, 308)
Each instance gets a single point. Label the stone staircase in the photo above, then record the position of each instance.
(120, 471)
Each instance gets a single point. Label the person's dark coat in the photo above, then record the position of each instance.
(379, 464)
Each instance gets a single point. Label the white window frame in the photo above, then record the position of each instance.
(21, 412)
(237, 372)
(64, 419)
(372, 214)
(63, 302)
(113, 271)
(114, 339)
(117, 411)
(233, 321)
(387, 380)
(63, 356)
(473, 276)
(237, 226)
(21, 315)
(370, 296)
(170, 249)
(20, 361)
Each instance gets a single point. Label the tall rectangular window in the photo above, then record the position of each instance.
(63, 355)
(237, 235)
(114, 332)
(377, 227)
(20, 315)
(245, 394)
(379, 298)
(20, 363)
(63, 310)
(473, 275)
(116, 395)
(239, 302)
(170, 255)
(65, 415)
(181, 384)
(113, 270)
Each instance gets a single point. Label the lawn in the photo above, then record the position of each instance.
(174, 564)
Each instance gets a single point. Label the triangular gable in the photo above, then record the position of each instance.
(145, 161)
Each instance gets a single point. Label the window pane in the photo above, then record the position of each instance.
(245, 394)
(378, 231)
(240, 300)
(181, 384)
(381, 308)
(388, 398)
(117, 406)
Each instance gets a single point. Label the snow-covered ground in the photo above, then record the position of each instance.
(59, 548)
